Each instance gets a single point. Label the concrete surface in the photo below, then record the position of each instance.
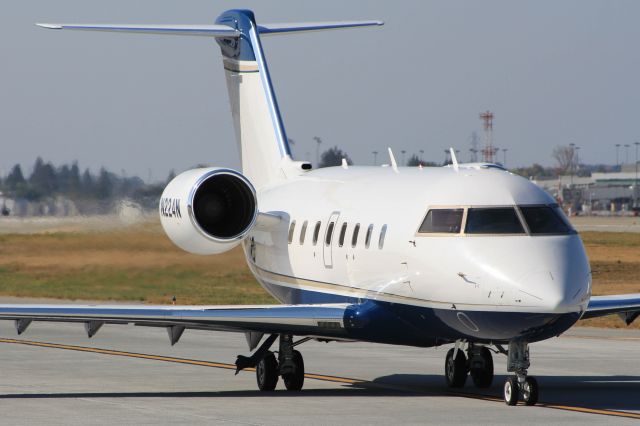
(595, 369)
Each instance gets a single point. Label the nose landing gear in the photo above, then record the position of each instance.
(520, 385)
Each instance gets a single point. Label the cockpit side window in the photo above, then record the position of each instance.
(446, 221)
(493, 220)
(545, 220)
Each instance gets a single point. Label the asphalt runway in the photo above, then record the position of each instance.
(53, 374)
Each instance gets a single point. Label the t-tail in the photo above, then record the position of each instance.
(260, 133)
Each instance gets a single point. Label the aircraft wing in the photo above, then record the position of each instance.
(325, 321)
(627, 306)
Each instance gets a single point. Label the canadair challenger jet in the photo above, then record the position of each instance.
(468, 254)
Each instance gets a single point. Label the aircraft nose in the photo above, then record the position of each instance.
(562, 279)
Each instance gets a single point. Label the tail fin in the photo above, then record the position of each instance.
(260, 134)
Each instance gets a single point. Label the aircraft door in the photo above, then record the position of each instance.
(329, 236)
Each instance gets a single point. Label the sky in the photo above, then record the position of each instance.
(553, 73)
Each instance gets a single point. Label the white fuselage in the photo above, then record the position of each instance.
(490, 273)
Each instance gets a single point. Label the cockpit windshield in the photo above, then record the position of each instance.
(545, 220)
(490, 220)
(533, 220)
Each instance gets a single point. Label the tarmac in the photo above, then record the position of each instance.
(125, 375)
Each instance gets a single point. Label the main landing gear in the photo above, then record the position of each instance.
(478, 363)
(289, 364)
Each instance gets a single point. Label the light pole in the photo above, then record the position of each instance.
(375, 157)
(504, 157)
(577, 160)
(573, 150)
(635, 181)
(626, 153)
(403, 152)
(421, 155)
(474, 156)
(617, 154)
(318, 142)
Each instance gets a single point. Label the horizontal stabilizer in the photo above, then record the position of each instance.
(313, 26)
(217, 30)
(188, 30)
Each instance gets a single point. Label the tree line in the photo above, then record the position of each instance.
(47, 180)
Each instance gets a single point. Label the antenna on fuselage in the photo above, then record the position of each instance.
(394, 164)
(454, 159)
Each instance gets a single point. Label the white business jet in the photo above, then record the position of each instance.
(467, 254)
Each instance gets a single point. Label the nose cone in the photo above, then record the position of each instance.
(560, 276)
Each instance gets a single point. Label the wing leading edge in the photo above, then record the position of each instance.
(627, 306)
(307, 320)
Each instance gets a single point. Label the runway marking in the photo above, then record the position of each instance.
(322, 377)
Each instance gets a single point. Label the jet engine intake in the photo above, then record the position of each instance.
(208, 210)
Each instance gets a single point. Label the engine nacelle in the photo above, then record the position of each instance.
(209, 210)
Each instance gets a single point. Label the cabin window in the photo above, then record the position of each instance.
(292, 227)
(316, 232)
(327, 237)
(367, 240)
(383, 232)
(447, 221)
(493, 220)
(343, 232)
(545, 220)
(303, 232)
(354, 237)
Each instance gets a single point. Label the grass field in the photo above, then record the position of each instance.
(139, 263)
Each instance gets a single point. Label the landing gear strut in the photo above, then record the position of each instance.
(519, 385)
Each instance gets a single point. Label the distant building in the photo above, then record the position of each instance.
(600, 193)
(58, 206)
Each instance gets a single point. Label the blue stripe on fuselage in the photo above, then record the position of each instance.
(402, 324)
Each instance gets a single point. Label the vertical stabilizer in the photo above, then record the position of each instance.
(262, 141)
(260, 134)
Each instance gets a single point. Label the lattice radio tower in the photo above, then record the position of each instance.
(489, 151)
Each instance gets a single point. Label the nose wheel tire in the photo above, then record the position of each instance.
(530, 391)
(482, 377)
(455, 369)
(511, 390)
(267, 373)
(294, 381)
